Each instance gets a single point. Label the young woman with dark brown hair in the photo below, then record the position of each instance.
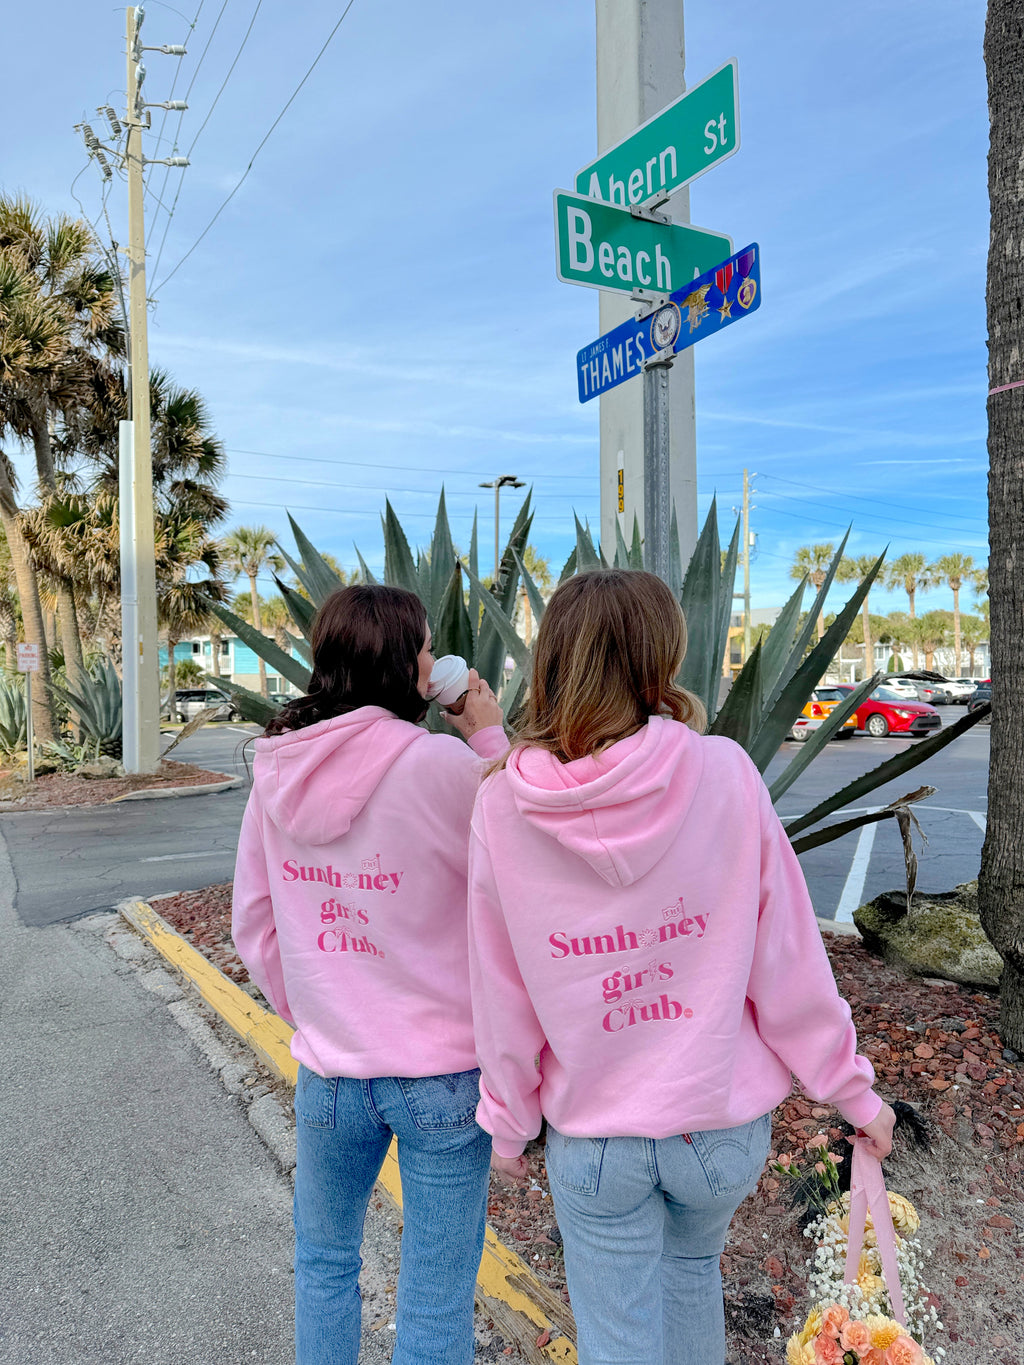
(647, 972)
(350, 914)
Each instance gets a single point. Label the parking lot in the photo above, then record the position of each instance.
(843, 874)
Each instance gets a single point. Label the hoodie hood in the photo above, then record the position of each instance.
(619, 810)
(314, 782)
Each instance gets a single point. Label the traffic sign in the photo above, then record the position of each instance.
(688, 137)
(28, 658)
(605, 247)
(719, 297)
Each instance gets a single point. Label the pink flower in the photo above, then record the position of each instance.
(826, 1351)
(820, 1141)
(872, 1356)
(785, 1159)
(819, 1166)
(834, 1320)
(904, 1351)
(855, 1337)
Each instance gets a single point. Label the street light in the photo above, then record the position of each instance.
(505, 481)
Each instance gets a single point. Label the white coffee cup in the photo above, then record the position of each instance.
(449, 683)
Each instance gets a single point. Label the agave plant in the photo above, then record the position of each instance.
(95, 697)
(13, 716)
(477, 622)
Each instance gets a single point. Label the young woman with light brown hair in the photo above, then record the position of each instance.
(647, 972)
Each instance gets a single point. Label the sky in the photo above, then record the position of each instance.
(375, 312)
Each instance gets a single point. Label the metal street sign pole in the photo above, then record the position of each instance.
(29, 735)
(657, 449)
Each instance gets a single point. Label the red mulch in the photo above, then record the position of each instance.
(65, 789)
(934, 1044)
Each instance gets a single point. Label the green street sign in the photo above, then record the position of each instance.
(689, 136)
(605, 247)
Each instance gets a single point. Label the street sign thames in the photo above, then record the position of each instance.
(605, 247)
(688, 137)
(723, 295)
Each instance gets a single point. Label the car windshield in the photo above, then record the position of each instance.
(829, 694)
(886, 694)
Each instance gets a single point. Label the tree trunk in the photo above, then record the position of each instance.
(929, 655)
(913, 644)
(70, 639)
(1001, 883)
(172, 669)
(817, 578)
(215, 640)
(258, 623)
(956, 630)
(869, 650)
(43, 719)
(527, 617)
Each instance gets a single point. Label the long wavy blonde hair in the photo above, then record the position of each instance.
(607, 653)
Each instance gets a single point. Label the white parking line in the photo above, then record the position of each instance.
(853, 888)
(979, 819)
(183, 857)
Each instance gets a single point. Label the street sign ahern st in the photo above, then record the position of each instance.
(689, 136)
(605, 247)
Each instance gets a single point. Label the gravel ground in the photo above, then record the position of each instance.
(51, 790)
(933, 1044)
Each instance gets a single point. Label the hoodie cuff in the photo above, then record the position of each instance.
(491, 742)
(861, 1110)
(507, 1147)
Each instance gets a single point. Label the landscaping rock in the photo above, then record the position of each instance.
(100, 768)
(940, 937)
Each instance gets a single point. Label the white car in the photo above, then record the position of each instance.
(902, 688)
(960, 689)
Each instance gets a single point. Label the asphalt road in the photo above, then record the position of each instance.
(70, 862)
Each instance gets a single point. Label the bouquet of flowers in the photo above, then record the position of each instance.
(870, 1307)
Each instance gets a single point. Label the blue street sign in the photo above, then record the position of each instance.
(712, 301)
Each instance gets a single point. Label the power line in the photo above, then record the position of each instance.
(262, 144)
(404, 468)
(174, 82)
(822, 521)
(349, 512)
(371, 488)
(874, 516)
(181, 116)
(841, 493)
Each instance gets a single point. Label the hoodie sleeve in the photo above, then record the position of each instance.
(489, 743)
(800, 1014)
(252, 914)
(509, 1038)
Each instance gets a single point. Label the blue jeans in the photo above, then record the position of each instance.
(643, 1222)
(343, 1130)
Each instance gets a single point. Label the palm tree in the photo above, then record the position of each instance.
(895, 633)
(182, 599)
(249, 550)
(955, 569)
(855, 570)
(539, 569)
(973, 632)
(1001, 882)
(929, 633)
(58, 260)
(812, 561)
(912, 573)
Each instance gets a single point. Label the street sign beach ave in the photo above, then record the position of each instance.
(605, 247)
(723, 295)
(688, 137)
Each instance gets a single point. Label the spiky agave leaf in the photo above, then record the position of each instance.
(319, 578)
(700, 599)
(302, 610)
(537, 603)
(399, 565)
(814, 744)
(254, 707)
(262, 646)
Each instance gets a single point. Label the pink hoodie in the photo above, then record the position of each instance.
(350, 892)
(643, 952)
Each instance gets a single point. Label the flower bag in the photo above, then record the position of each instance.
(868, 1196)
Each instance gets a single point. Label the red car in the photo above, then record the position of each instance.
(887, 713)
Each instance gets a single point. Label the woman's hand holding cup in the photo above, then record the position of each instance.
(480, 708)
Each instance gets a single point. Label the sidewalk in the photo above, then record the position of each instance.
(141, 1218)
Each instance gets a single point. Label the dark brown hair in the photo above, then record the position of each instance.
(608, 650)
(366, 639)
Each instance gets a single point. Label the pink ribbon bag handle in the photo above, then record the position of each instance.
(867, 1195)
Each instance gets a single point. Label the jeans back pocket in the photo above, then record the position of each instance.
(438, 1102)
(574, 1163)
(316, 1099)
(732, 1158)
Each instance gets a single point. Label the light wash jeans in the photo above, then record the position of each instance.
(343, 1129)
(643, 1223)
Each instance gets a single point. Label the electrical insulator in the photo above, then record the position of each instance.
(112, 119)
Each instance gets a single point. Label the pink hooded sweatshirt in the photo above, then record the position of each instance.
(350, 892)
(643, 952)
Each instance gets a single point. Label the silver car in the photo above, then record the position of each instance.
(189, 701)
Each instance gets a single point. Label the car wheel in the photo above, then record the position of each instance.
(877, 725)
(180, 718)
(234, 716)
(799, 736)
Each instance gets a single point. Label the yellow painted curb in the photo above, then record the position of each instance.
(523, 1310)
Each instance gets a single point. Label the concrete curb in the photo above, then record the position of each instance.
(196, 789)
(524, 1311)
